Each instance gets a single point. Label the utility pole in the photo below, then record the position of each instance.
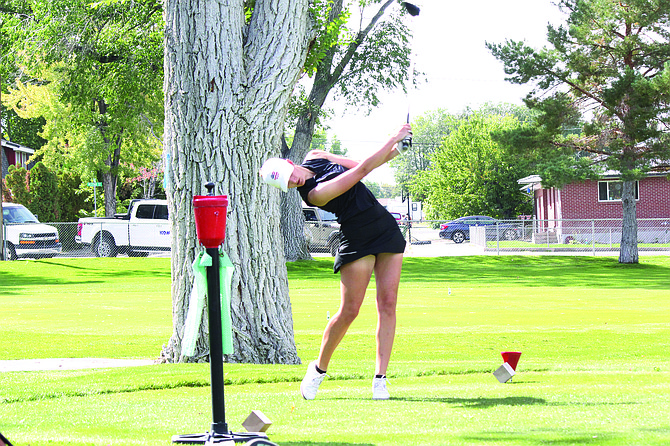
(2, 217)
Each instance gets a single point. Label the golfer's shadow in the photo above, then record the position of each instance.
(478, 403)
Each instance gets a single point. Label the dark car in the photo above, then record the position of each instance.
(459, 230)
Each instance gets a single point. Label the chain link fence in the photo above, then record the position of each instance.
(425, 238)
(48, 240)
(577, 237)
(587, 236)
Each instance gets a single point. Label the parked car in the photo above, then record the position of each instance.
(27, 237)
(322, 231)
(459, 230)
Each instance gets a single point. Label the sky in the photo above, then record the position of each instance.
(449, 47)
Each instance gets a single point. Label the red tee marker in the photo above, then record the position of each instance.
(512, 358)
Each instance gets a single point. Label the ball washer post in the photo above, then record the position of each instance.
(211, 229)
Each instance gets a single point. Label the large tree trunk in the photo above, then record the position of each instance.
(109, 179)
(628, 249)
(227, 87)
(292, 219)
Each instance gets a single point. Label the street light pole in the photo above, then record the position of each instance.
(2, 151)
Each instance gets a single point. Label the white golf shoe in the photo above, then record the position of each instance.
(311, 382)
(379, 391)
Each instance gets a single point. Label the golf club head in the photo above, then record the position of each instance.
(413, 10)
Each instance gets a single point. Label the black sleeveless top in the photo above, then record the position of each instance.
(366, 228)
(349, 204)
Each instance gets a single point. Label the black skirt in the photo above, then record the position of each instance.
(373, 231)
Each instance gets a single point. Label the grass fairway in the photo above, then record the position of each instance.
(595, 368)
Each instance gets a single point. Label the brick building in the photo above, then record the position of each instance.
(600, 201)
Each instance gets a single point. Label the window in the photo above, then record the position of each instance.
(612, 190)
(485, 221)
(310, 215)
(21, 159)
(145, 211)
(161, 212)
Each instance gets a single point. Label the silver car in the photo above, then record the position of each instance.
(322, 231)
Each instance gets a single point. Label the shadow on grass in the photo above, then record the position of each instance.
(512, 401)
(546, 437)
(558, 271)
(480, 403)
(555, 271)
(320, 443)
(21, 274)
(15, 284)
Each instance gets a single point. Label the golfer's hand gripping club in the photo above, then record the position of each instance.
(405, 144)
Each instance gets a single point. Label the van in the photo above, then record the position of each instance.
(25, 236)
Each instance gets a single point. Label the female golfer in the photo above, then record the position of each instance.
(371, 242)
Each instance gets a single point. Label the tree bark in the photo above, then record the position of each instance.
(109, 178)
(628, 252)
(227, 86)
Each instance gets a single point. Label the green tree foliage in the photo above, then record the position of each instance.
(607, 73)
(44, 193)
(95, 75)
(321, 141)
(22, 131)
(429, 130)
(470, 174)
(71, 197)
(16, 184)
(336, 147)
(383, 190)
(52, 197)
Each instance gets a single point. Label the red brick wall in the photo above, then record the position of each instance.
(580, 200)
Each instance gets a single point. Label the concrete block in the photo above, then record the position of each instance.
(504, 373)
(256, 422)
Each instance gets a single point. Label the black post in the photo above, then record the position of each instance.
(219, 424)
(220, 432)
(409, 220)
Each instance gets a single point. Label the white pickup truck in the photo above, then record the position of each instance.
(144, 229)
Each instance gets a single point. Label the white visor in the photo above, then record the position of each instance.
(276, 172)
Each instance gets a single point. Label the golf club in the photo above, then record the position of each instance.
(412, 10)
(4, 441)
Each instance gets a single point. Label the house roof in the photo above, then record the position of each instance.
(17, 147)
(530, 179)
(536, 180)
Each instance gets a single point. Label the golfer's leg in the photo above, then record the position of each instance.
(354, 279)
(387, 275)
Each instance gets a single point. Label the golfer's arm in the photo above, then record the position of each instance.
(337, 159)
(325, 192)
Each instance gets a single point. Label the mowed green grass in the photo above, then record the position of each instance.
(594, 337)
